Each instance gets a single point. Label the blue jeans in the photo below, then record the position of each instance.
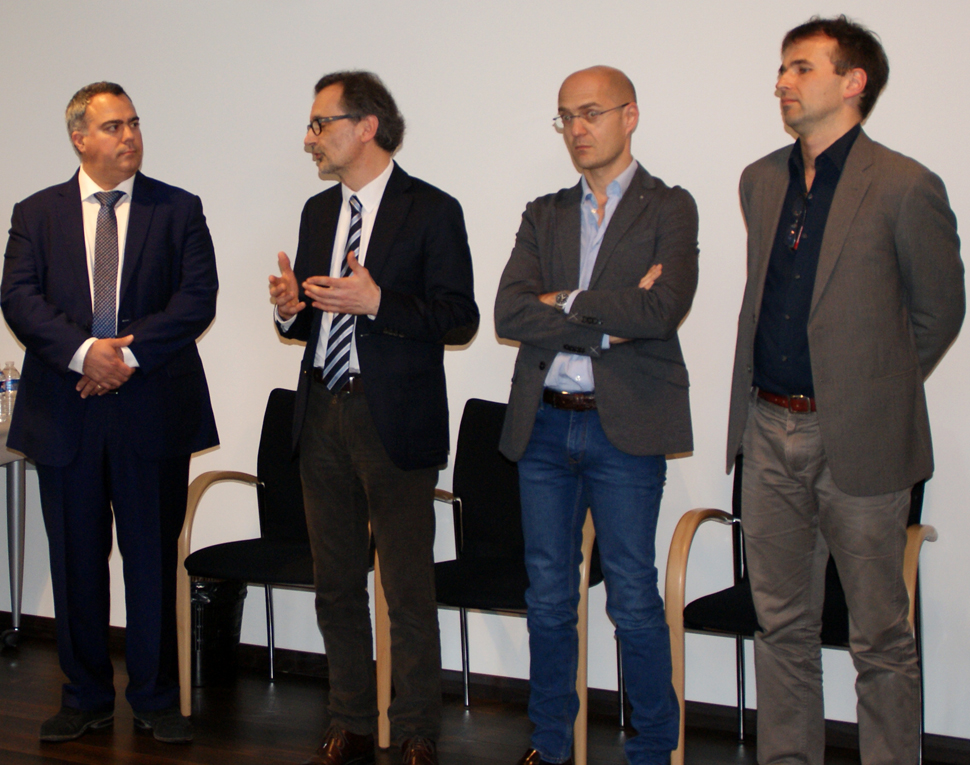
(568, 466)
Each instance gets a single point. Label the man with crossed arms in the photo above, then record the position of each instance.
(600, 278)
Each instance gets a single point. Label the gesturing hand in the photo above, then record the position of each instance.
(356, 294)
(283, 290)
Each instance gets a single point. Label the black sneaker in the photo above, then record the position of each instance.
(166, 725)
(71, 723)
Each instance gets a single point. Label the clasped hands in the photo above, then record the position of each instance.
(105, 369)
(646, 282)
(356, 294)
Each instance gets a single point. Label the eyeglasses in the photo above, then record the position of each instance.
(794, 235)
(561, 121)
(316, 125)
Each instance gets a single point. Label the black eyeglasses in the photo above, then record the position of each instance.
(561, 121)
(316, 125)
(794, 235)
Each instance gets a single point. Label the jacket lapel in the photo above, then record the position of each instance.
(568, 238)
(773, 193)
(636, 199)
(69, 242)
(853, 185)
(391, 215)
(139, 220)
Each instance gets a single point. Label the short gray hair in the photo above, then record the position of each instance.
(77, 107)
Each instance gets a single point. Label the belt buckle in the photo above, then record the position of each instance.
(799, 404)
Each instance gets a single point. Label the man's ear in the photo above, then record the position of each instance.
(855, 83)
(367, 128)
(77, 138)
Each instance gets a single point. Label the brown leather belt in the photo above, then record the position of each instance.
(354, 385)
(796, 404)
(572, 402)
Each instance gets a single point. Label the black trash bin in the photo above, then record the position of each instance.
(217, 611)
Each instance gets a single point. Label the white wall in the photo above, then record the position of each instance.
(224, 89)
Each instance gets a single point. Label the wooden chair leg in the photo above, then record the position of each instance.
(580, 727)
(382, 640)
(620, 683)
(183, 626)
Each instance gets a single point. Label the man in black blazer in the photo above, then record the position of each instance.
(601, 276)
(108, 280)
(371, 420)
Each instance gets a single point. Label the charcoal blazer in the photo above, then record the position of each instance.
(887, 303)
(418, 254)
(641, 385)
(167, 299)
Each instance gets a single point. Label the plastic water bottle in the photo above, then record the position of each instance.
(4, 409)
(8, 390)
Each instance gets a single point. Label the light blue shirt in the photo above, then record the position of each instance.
(573, 372)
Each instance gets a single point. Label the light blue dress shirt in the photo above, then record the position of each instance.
(572, 372)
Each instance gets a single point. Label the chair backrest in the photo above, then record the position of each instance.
(488, 486)
(280, 491)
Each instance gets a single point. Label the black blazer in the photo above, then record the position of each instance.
(418, 255)
(167, 299)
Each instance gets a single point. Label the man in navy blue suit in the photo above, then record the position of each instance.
(108, 280)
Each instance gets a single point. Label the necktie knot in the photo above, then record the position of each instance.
(109, 198)
(355, 204)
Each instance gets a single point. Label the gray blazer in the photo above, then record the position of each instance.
(641, 386)
(888, 302)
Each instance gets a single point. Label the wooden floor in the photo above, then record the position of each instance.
(255, 722)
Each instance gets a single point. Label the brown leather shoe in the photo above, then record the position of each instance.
(532, 757)
(341, 747)
(419, 751)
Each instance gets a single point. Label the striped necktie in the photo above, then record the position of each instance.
(105, 320)
(336, 369)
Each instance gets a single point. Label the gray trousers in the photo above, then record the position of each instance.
(794, 516)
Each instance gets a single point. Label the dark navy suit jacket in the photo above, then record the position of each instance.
(167, 299)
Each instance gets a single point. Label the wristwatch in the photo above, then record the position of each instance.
(561, 299)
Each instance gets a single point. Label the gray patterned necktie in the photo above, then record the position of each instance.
(336, 369)
(105, 319)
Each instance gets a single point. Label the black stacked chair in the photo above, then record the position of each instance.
(489, 572)
(730, 612)
(281, 555)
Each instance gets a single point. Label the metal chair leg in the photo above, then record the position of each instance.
(463, 621)
(620, 683)
(270, 636)
(739, 658)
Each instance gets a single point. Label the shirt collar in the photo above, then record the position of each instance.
(835, 155)
(89, 188)
(371, 194)
(618, 186)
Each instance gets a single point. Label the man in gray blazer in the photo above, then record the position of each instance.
(854, 293)
(600, 278)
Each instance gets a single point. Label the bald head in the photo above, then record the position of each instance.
(611, 82)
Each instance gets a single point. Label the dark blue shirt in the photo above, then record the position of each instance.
(782, 363)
